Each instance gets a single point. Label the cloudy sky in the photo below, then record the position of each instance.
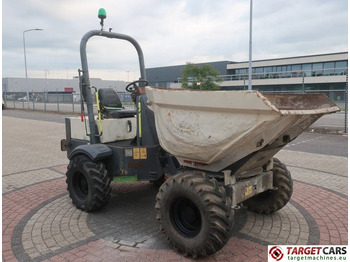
(169, 32)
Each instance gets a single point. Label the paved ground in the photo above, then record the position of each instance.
(40, 223)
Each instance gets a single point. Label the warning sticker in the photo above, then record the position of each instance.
(143, 153)
(248, 190)
(136, 153)
(139, 153)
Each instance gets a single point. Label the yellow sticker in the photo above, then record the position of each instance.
(136, 153)
(143, 153)
(248, 190)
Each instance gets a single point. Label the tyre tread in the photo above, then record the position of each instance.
(279, 198)
(100, 183)
(218, 207)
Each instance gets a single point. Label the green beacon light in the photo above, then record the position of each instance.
(102, 15)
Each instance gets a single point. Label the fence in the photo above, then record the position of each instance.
(59, 102)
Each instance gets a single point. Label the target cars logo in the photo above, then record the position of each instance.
(307, 253)
(276, 253)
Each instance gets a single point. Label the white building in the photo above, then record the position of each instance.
(304, 73)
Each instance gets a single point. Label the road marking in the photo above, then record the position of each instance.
(304, 141)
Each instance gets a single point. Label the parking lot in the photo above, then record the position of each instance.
(40, 223)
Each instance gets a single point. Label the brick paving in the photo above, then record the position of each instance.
(24, 179)
(41, 224)
(283, 227)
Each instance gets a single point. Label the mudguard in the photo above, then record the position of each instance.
(95, 152)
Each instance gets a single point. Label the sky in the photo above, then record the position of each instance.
(169, 32)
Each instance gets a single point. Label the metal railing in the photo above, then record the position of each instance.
(51, 102)
(283, 74)
(288, 74)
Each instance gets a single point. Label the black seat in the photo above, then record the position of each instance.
(110, 105)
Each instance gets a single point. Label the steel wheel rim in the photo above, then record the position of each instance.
(185, 217)
(81, 187)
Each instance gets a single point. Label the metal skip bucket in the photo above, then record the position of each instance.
(218, 128)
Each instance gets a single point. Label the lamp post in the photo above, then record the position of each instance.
(25, 60)
(250, 47)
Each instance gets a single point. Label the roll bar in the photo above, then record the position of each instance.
(85, 70)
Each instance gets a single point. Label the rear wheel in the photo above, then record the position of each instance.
(88, 183)
(195, 214)
(273, 200)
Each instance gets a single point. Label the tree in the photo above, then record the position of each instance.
(202, 77)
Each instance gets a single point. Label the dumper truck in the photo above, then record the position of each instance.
(209, 152)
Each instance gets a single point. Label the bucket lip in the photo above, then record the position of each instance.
(327, 110)
(332, 108)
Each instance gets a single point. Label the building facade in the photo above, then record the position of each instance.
(316, 72)
(325, 73)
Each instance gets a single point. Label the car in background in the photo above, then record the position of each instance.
(23, 98)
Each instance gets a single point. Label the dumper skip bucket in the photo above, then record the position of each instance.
(218, 128)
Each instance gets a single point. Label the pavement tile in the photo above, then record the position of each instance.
(40, 222)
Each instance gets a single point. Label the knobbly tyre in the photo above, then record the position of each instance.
(209, 151)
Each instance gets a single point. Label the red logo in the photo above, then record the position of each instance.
(276, 253)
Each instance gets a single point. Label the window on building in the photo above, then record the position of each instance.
(232, 71)
(296, 71)
(317, 69)
(329, 68)
(258, 70)
(258, 73)
(307, 69)
(242, 73)
(286, 71)
(296, 67)
(341, 67)
(341, 64)
(268, 72)
(278, 70)
(268, 69)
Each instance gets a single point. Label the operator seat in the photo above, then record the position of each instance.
(110, 105)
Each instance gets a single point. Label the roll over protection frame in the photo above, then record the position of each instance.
(85, 71)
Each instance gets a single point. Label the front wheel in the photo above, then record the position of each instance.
(273, 200)
(88, 183)
(195, 214)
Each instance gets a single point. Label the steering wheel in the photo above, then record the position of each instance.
(132, 86)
